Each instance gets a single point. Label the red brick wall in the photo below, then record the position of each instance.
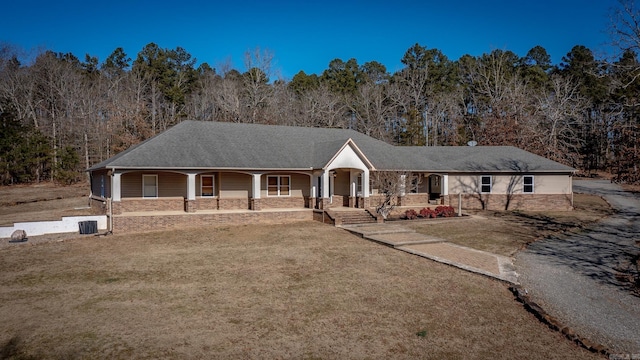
(157, 204)
(376, 199)
(291, 202)
(207, 203)
(534, 202)
(233, 204)
(177, 204)
(164, 222)
(338, 201)
(415, 200)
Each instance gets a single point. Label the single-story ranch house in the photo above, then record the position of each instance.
(204, 172)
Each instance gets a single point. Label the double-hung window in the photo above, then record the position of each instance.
(150, 186)
(485, 183)
(206, 186)
(278, 185)
(527, 184)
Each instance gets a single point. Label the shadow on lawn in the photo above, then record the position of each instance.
(12, 349)
(605, 251)
(543, 225)
(16, 349)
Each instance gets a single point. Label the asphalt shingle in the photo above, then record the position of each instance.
(195, 144)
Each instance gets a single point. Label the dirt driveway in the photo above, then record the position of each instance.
(583, 279)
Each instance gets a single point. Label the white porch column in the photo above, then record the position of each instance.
(115, 186)
(325, 184)
(353, 182)
(255, 186)
(191, 186)
(313, 183)
(445, 184)
(365, 183)
(255, 192)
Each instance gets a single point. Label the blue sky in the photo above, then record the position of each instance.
(307, 35)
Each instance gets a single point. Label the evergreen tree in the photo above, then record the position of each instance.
(24, 152)
(302, 83)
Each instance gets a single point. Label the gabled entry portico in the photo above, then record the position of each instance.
(344, 180)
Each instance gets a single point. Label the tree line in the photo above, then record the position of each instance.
(60, 114)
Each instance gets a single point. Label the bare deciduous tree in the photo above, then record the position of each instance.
(559, 113)
(391, 185)
(372, 109)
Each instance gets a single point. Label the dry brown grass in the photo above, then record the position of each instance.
(41, 202)
(304, 290)
(506, 232)
(21, 194)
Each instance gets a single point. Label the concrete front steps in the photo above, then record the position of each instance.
(391, 235)
(351, 217)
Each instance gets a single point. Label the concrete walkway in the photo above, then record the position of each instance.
(401, 238)
(577, 278)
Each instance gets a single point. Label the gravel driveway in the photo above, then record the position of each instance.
(574, 278)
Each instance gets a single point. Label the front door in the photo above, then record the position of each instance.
(435, 188)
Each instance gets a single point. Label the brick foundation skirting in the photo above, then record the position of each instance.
(415, 200)
(322, 216)
(140, 205)
(177, 204)
(291, 202)
(234, 204)
(533, 202)
(167, 222)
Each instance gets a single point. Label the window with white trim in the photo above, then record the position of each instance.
(527, 184)
(150, 186)
(485, 183)
(278, 185)
(206, 186)
(359, 185)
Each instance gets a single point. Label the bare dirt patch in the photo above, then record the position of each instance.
(305, 290)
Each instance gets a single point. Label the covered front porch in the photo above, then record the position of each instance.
(424, 189)
(136, 191)
(341, 187)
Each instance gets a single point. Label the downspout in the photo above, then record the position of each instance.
(110, 204)
(90, 189)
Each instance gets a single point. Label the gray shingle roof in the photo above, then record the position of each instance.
(194, 144)
(490, 159)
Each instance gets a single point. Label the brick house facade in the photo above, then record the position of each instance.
(214, 169)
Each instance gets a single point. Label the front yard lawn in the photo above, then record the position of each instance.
(305, 290)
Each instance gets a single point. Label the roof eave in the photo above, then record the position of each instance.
(172, 168)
